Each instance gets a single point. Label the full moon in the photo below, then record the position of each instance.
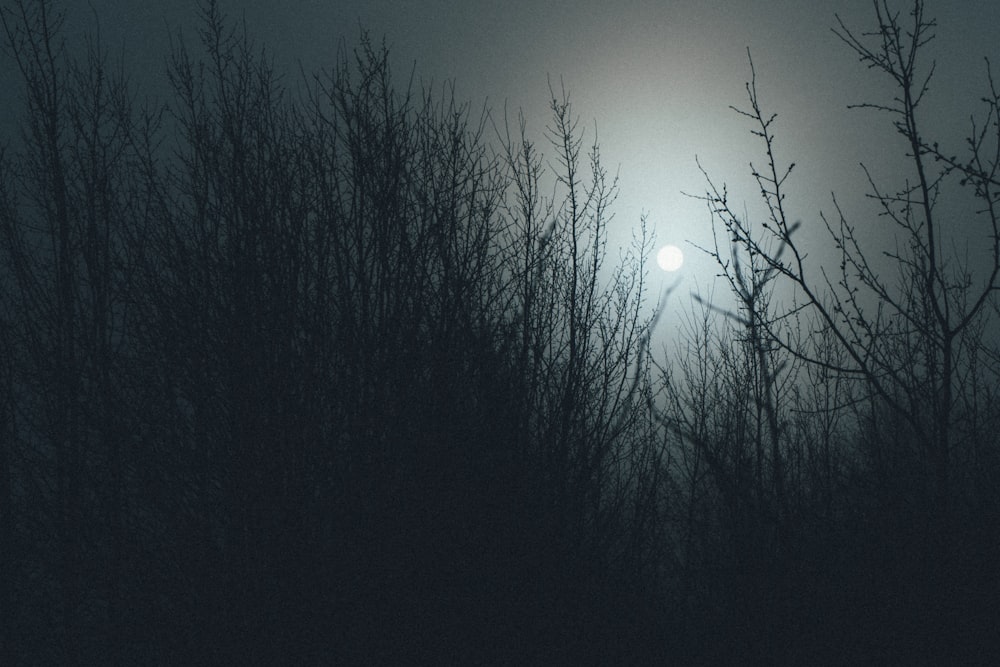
(670, 258)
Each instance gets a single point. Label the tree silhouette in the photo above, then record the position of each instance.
(908, 349)
(341, 372)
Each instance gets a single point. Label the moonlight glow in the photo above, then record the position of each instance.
(670, 258)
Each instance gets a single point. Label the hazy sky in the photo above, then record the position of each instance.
(656, 77)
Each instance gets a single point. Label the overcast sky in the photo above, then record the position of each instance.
(655, 77)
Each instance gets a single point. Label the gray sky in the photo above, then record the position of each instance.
(656, 77)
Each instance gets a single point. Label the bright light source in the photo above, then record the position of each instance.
(670, 258)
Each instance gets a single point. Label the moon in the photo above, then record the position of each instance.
(670, 258)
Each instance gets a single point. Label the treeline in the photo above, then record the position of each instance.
(341, 373)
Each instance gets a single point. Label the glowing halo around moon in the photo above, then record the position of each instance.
(670, 258)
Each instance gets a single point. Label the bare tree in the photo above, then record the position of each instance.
(905, 340)
(903, 328)
(71, 205)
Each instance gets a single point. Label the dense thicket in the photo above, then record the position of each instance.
(325, 375)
